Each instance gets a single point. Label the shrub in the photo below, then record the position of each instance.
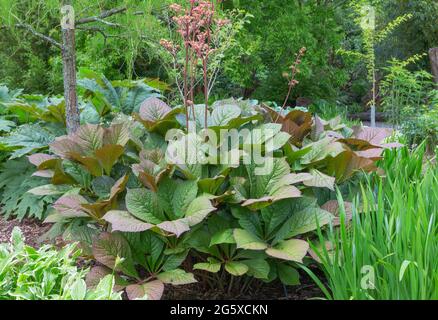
(124, 199)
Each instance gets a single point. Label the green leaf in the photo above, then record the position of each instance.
(236, 268)
(246, 240)
(152, 290)
(257, 268)
(212, 265)
(49, 190)
(142, 203)
(288, 275)
(223, 236)
(78, 290)
(176, 277)
(291, 250)
(198, 210)
(320, 180)
(184, 195)
(221, 116)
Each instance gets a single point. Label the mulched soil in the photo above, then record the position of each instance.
(259, 291)
(33, 230)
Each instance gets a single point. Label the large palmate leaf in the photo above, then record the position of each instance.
(74, 205)
(262, 190)
(291, 250)
(145, 212)
(95, 147)
(156, 115)
(152, 290)
(111, 247)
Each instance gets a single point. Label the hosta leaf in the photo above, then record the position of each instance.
(236, 268)
(176, 277)
(246, 240)
(291, 250)
(125, 222)
(152, 290)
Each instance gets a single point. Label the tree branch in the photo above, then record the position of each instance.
(103, 15)
(40, 35)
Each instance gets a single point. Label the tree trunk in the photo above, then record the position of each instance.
(433, 55)
(69, 74)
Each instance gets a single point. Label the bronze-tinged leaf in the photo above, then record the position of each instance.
(89, 137)
(347, 163)
(39, 158)
(152, 290)
(116, 134)
(97, 273)
(71, 206)
(153, 110)
(90, 163)
(111, 246)
(332, 206)
(125, 222)
(64, 147)
(373, 154)
(108, 156)
(119, 186)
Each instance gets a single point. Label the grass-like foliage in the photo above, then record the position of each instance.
(46, 274)
(389, 250)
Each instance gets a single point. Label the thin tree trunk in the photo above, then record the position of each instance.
(433, 55)
(69, 74)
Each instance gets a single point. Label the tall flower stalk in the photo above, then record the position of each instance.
(195, 25)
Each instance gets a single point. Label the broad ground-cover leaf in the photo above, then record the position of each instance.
(263, 190)
(176, 277)
(152, 290)
(291, 250)
(95, 147)
(113, 246)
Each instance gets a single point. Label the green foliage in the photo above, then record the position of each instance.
(234, 215)
(16, 178)
(392, 232)
(46, 274)
(410, 100)
(117, 96)
(266, 46)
